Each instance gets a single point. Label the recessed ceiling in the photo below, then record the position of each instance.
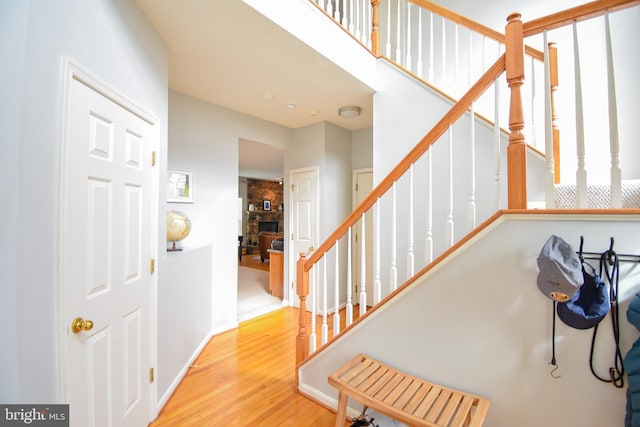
(227, 53)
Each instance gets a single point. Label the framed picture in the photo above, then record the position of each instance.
(266, 205)
(180, 186)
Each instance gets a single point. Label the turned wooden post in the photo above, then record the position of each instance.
(375, 24)
(553, 81)
(302, 279)
(517, 149)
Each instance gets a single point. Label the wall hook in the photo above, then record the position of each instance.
(553, 371)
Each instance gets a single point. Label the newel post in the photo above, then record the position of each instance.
(517, 149)
(375, 25)
(302, 280)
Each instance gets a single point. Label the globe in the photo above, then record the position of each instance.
(178, 226)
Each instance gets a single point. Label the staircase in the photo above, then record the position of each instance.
(454, 245)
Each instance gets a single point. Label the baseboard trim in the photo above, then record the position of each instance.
(326, 400)
(174, 384)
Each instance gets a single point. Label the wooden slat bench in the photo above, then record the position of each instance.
(405, 398)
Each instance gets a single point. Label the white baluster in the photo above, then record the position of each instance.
(357, 19)
(344, 14)
(449, 227)
(444, 49)
(377, 283)
(351, 20)
(336, 290)
(408, 46)
(398, 47)
(330, 8)
(472, 171)
(321, 3)
(431, 47)
(393, 279)
(349, 308)
(388, 46)
(534, 136)
(366, 24)
(497, 135)
(429, 238)
(614, 145)
(325, 325)
(470, 72)
(419, 64)
(313, 339)
(410, 255)
(456, 53)
(581, 173)
(548, 129)
(363, 266)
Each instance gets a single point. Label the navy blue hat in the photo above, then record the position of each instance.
(589, 305)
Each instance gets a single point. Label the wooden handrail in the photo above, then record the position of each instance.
(473, 25)
(458, 109)
(575, 14)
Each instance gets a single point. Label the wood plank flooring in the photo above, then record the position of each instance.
(246, 377)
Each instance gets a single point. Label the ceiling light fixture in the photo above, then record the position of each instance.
(290, 105)
(349, 111)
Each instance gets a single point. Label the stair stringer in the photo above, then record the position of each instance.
(475, 320)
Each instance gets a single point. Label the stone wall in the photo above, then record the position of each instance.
(259, 191)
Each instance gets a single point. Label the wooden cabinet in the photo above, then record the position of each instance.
(276, 273)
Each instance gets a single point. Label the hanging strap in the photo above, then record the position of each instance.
(616, 372)
(553, 342)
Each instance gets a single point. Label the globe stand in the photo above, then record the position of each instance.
(173, 248)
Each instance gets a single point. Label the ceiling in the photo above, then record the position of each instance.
(227, 53)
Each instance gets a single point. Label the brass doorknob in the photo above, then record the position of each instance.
(79, 324)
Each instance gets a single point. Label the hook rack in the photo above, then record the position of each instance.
(610, 254)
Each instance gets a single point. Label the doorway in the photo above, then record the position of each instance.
(362, 186)
(260, 188)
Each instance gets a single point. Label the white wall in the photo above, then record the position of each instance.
(185, 323)
(496, 338)
(113, 40)
(362, 148)
(204, 137)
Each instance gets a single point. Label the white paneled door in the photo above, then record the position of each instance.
(363, 184)
(105, 272)
(303, 216)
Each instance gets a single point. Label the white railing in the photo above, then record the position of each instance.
(406, 214)
(435, 45)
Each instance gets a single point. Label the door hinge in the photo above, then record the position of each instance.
(153, 158)
(152, 266)
(356, 186)
(293, 186)
(151, 377)
(291, 236)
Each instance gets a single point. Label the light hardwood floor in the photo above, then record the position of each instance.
(246, 377)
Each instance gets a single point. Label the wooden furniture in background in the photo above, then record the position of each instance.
(403, 397)
(276, 273)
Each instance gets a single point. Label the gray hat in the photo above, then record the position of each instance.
(560, 270)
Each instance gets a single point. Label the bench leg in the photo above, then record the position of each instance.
(341, 415)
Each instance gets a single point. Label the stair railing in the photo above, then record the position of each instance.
(593, 114)
(431, 161)
(443, 48)
(455, 132)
